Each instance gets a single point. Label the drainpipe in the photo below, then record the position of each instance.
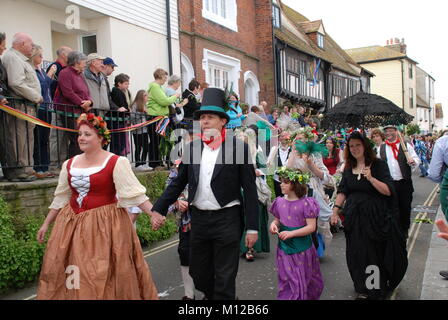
(274, 51)
(402, 83)
(168, 32)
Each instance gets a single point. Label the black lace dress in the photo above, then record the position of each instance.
(373, 238)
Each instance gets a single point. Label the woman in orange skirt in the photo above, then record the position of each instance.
(93, 251)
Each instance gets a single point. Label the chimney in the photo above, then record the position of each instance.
(397, 45)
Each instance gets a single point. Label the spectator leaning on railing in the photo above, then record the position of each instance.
(158, 105)
(23, 84)
(42, 134)
(72, 90)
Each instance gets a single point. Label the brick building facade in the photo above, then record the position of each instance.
(229, 41)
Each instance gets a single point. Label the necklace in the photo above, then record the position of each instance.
(359, 172)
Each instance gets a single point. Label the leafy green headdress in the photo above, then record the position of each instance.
(293, 175)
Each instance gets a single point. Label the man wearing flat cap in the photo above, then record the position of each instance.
(400, 167)
(217, 168)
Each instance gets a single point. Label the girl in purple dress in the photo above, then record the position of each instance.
(299, 276)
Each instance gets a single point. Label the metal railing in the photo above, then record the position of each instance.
(26, 145)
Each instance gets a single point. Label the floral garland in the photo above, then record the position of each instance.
(98, 123)
(306, 131)
(293, 175)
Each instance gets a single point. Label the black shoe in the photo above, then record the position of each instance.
(187, 298)
(444, 274)
(362, 296)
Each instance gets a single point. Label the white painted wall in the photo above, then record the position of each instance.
(140, 54)
(150, 15)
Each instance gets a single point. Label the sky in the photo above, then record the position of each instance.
(422, 24)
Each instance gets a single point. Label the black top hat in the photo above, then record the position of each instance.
(213, 101)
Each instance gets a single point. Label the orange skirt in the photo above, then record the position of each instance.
(95, 255)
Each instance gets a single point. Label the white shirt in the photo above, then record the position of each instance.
(204, 198)
(284, 154)
(394, 167)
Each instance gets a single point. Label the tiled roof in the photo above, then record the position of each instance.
(332, 52)
(311, 26)
(374, 53)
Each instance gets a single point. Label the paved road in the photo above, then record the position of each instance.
(258, 280)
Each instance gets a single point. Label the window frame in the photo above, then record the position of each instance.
(227, 19)
(276, 17)
(320, 44)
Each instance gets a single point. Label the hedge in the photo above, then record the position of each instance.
(21, 255)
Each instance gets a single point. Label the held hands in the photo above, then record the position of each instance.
(122, 109)
(157, 220)
(285, 235)
(4, 101)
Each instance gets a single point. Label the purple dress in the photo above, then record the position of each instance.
(299, 276)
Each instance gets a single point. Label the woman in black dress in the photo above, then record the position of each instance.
(374, 242)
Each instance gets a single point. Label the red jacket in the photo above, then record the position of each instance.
(72, 89)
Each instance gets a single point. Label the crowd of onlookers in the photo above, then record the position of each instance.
(73, 84)
(76, 83)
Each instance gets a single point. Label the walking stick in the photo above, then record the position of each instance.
(404, 146)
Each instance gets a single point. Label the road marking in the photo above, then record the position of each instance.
(31, 297)
(153, 252)
(434, 191)
(162, 246)
(420, 215)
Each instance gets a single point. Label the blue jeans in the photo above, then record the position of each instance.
(424, 167)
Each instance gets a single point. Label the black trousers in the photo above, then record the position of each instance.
(141, 148)
(404, 189)
(184, 248)
(214, 252)
(154, 156)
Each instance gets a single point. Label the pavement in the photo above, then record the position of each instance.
(435, 287)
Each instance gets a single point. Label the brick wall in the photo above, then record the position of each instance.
(252, 44)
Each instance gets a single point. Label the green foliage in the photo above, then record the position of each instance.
(148, 236)
(412, 129)
(20, 253)
(270, 181)
(155, 184)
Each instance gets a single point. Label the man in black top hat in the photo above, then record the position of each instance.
(216, 168)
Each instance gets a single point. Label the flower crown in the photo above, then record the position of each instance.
(306, 131)
(98, 123)
(293, 175)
